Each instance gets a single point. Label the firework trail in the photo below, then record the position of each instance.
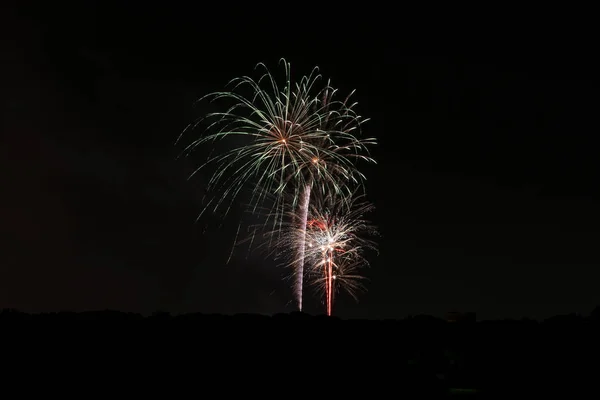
(294, 138)
(301, 246)
(336, 238)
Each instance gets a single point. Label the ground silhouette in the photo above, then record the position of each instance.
(419, 355)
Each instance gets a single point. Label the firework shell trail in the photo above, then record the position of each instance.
(301, 246)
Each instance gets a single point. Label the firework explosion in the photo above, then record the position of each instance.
(336, 240)
(296, 138)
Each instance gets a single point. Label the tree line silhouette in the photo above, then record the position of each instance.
(418, 354)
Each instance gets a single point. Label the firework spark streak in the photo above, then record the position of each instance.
(293, 138)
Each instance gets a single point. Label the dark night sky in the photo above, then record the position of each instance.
(486, 188)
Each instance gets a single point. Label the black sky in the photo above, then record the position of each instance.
(485, 191)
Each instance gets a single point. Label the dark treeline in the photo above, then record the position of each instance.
(420, 354)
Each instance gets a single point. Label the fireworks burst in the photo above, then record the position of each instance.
(294, 138)
(336, 239)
